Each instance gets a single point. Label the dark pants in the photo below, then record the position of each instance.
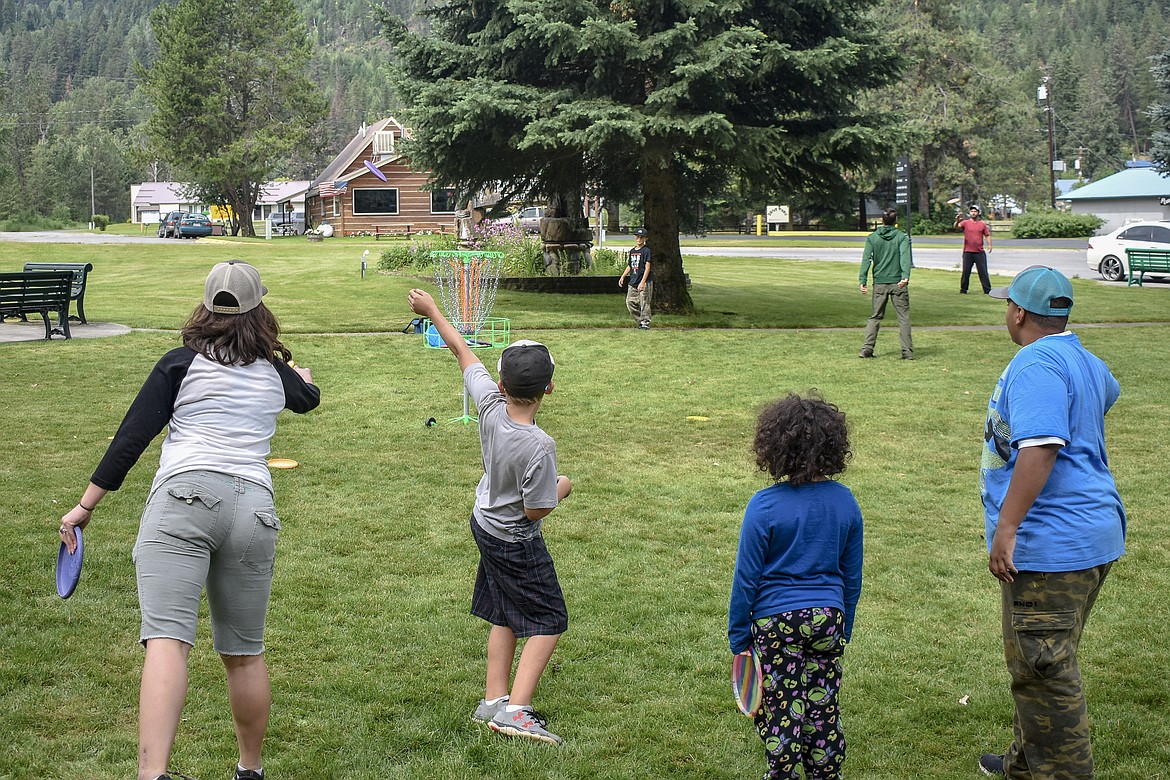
(979, 260)
(882, 294)
(800, 655)
(1044, 614)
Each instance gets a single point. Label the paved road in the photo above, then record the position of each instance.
(1009, 256)
(80, 237)
(1002, 260)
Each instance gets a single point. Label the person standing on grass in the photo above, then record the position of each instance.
(1053, 519)
(887, 249)
(516, 587)
(641, 288)
(209, 519)
(797, 583)
(976, 245)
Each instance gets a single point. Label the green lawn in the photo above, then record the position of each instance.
(376, 664)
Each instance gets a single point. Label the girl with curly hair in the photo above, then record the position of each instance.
(797, 583)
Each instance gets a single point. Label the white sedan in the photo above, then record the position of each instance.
(1106, 254)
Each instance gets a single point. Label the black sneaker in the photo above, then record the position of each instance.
(248, 774)
(991, 764)
(865, 353)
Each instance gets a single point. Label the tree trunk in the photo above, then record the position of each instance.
(244, 212)
(923, 190)
(612, 216)
(661, 214)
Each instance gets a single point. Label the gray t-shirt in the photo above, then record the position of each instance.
(519, 464)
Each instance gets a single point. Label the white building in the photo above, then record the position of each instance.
(151, 199)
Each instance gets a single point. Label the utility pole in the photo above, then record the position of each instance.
(1045, 93)
(92, 201)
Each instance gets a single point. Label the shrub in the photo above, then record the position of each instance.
(100, 221)
(26, 221)
(925, 226)
(606, 261)
(415, 255)
(396, 257)
(1055, 224)
(523, 255)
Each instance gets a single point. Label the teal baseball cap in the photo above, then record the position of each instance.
(1035, 288)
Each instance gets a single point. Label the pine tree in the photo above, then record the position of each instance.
(230, 95)
(667, 98)
(1159, 113)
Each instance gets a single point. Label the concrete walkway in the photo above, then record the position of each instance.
(34, 330)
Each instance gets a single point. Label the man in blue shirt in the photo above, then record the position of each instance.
(1054, 522)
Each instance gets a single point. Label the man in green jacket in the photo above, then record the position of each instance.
(887, 249)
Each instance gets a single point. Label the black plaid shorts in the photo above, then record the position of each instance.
(516, 586)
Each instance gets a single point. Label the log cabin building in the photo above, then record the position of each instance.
(370, 189)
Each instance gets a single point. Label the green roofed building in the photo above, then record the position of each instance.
(1137, 193)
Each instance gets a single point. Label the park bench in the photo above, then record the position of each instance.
(80, 273)
(1143, 261)
(38, 292)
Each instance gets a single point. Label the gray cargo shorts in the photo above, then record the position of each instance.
(205, 528)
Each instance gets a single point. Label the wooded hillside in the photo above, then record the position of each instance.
(72, 104)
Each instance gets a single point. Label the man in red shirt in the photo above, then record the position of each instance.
(976, 245)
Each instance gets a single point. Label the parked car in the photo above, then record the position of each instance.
(193, 226)
(287, 223)
(166, 225)
(527, 219)
(1106, 254)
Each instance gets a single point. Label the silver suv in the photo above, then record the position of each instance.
(169, 223)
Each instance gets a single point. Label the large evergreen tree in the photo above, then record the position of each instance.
(671, 97)
(230, 95)
(968, 122)
(1160, 112)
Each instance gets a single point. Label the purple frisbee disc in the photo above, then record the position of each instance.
(69, 567)
(374, 170)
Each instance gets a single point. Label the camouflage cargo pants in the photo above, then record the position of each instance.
(638, 302)
(1044, 614)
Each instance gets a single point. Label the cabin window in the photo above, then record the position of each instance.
(443, 201)
(379, 201)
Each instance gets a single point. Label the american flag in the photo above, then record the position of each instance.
(331, 189)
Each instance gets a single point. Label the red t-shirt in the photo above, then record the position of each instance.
(973, 233)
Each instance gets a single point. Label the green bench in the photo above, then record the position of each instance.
(38, 292)
(1143, 261)
(80, 273)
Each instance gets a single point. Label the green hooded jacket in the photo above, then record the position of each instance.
(888, 250)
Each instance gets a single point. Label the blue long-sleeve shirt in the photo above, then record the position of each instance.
(798, 548)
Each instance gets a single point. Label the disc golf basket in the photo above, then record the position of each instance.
(467, 282)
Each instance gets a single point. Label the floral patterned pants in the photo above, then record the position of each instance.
(800, 655)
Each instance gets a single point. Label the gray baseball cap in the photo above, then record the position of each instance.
(239, 280)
